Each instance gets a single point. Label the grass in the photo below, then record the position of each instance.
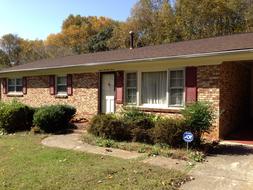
(25, 164)
(151, 150)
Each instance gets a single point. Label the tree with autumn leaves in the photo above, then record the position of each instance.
(153, 22)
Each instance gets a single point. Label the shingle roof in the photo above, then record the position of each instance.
(208, 45)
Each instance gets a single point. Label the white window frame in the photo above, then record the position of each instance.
(159, 106)
(169, 88)
(126, 88)
(152, 105)
(56, 85)
(15, 86)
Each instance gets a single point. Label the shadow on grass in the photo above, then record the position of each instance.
(70, 129)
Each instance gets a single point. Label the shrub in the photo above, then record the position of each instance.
(135, 118)
(109, 126)
(168, 131)
(133, 113)
(55, 118)
(199, 117)
(69, 111)
(106, 143)
(140, 135)
(138, 126)
(139, 123)
(15, 116)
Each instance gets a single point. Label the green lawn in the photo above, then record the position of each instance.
(25, 164)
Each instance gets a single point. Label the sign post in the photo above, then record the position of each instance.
(188, 138)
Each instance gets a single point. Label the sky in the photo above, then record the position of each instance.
(36, 19)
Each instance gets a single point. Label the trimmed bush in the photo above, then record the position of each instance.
(69, 112)
(168, 131)
(109, 126)
(54, 118)
(15, 116)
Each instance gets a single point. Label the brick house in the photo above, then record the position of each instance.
(160, 79)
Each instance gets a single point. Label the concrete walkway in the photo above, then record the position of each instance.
(229, 167)
(73, 142)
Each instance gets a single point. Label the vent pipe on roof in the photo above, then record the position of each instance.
(131, 39)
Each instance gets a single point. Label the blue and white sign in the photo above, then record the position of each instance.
(188, 137)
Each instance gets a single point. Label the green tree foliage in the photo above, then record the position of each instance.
(4, 59)
(32, 50)
(99, 42)
(207, 18)
(143, 21)
(15, 50)
(10, 44)
(249, 15)
(78, 32)
(165, 24)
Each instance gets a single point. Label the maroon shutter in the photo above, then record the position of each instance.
(24, 85)
(5, 88)
(99, 92)
(190, 85)
(69, 85)
(52, 84)
(119, 87)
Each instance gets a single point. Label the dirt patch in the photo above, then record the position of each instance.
(167, 163)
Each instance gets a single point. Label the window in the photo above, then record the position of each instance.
(61, 85)
(15, 85)
(158, 89)
(176, 88)
(131, 88)
(153, 90)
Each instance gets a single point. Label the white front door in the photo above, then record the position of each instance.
(107, 93)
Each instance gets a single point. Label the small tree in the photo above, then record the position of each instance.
(199, 117)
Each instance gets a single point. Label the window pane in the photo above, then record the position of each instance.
(11, 82)
(131, 80)
(176, 96)
(62, 80)
(131, 86)
(62, 84)
(19, 88)
(176, 82)
(62, 88)
(11, 89)
(154, 87)
(177, 74)
(176, 78)
(131, 76)
(19, 82)
(131, 96)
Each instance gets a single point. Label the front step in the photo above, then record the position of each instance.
(80, 127)
(78, 131)
(237, 142)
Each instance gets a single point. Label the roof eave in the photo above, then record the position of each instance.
(187, 56)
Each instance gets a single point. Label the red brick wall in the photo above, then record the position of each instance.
(209, 91)
(235, 97)
(85, 93)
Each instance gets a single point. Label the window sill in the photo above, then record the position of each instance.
(61, 96)
(15, 94)
(161, 110)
